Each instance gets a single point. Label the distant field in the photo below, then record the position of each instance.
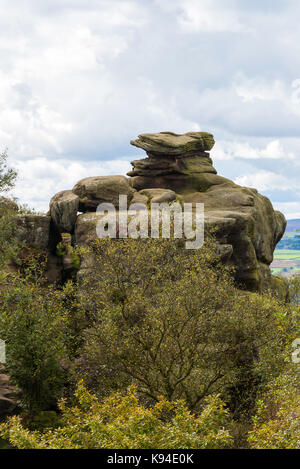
(287, 254)
(286, 262)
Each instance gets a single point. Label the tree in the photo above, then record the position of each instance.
(33, 322)
(7, 175)
(7, 211)
(171, 322)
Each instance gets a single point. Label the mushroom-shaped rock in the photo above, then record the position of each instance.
(64, 207)
(175, 144)
(93, 191)
(177, 162)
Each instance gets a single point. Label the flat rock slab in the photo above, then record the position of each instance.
(169, 143)
(93, 191)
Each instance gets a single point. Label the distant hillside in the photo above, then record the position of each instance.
(292, 226)
(287, 253)
(291, 237)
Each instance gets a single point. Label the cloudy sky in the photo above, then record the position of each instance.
(80, 78)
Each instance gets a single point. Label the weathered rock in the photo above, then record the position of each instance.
(177, 162)
(85, 228)
(239, 217)
(170, 143)
(34, 230)
(64, 207)
(159, 195)
(156, 166)
(96, 190)
(246, 220)
(180, 183)
(177, 168)
(139, 198)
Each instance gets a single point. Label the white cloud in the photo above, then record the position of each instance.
(258, 89)
(266, 181)
(290, 209)
(229, 150)
(79, 79)
(209, 16)
(41, 178)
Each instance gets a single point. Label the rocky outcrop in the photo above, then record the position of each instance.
(177, 162)
(96, 190)
(64, 208)
(34, 230)
(240, 217)
(178, 168)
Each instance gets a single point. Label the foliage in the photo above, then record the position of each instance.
(7, 175)
(32, 322)
(276, 424)
(9, 245)
(171, 322)
(122, 422)
(294, 289)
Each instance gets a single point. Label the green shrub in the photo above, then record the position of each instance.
(276, 424)
(123, 423)
(171, 322)
(32, 322)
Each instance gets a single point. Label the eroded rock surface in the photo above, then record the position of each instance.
(64, 208)
(93, 191)
(239, 216)
(178, 168)
(34, 230)
(177, 162)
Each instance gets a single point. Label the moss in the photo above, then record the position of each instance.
(75, 260)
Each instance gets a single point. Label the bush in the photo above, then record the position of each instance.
(123, 423)
(171, 322)
(277, 420)
(33, 324)
(7, 175)
(294, 289)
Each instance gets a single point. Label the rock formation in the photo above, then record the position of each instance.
(177, 167)
(64, 208)
(96, 190)
(177, 162)
(240, 216)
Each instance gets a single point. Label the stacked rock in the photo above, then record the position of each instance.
(178, 162)
(179, 168)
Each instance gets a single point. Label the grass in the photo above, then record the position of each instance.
(287, 254)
